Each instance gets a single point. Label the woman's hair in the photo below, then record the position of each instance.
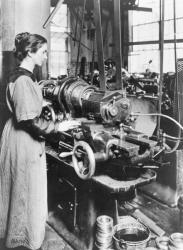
(25, 42)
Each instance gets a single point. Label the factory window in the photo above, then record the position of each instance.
(59, 50)
(144, 36)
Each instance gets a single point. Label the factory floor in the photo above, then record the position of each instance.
(92, 203)
(60, 235)
(52, 241)
(68, 231)
(165, 218)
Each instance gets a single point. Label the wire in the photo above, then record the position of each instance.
(167, 117)
(158, 114)
(173, 137)
(176, 97)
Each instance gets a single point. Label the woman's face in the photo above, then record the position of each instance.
(40, 56)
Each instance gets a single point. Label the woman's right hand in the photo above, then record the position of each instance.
(68, 125)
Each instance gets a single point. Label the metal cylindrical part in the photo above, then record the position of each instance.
(176, 241)
(74, 92)
(104, 232)
(180, 206)
(77, 91)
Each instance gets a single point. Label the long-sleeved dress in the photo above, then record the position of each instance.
(23, 180)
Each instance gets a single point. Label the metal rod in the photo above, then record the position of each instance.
(136, 8)
(99, 42)
(175, 49)
(160, 15)
(161, 62)
(116, 211)
(49, 19)
(76, 27)
(93, 59)
(75, 207)
(153, 42)
(81, 30)
(177, 91)
(117, 37)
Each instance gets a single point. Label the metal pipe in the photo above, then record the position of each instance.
(177, 96)
(76, 27)
(160, 15)
(93, 59)
(75, 208)
(117, 35)
(81, 29)
(161, 61)
(99, 42)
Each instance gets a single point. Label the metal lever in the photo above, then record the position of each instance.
(66, 154)
(159, 152)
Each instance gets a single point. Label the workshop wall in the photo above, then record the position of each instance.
(16, 17)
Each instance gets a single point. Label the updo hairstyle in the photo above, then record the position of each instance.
(25, 42)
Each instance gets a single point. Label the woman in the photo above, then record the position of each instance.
(23, 180)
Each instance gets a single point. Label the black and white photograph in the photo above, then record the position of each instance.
(91, 125)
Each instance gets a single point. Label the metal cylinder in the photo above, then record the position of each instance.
(180, 206)
(104, 232)
(74, 93)
(176, 241)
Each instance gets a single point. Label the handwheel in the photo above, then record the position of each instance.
(83, 160)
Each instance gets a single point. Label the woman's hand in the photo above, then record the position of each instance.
(67, 125)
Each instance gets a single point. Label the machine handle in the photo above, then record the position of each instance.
(83, 163)
(65, 154)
